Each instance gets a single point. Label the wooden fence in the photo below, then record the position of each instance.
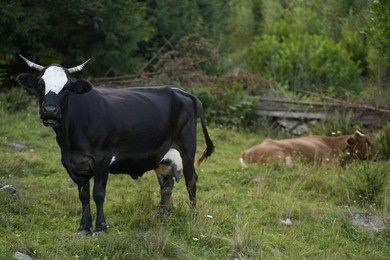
(294, 114)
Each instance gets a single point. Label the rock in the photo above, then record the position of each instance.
(8, 188)
(18, 146)
(295, 127)
(21, 256)
(372, 223)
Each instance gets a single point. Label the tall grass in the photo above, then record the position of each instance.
(340, 124)
(238, 215)
(384, 141)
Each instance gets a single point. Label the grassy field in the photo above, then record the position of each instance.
(239, 213)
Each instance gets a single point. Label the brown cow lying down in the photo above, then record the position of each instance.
(313, 149)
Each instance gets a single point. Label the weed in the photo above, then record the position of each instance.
(366, 184)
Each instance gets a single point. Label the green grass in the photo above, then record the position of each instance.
(238, 214)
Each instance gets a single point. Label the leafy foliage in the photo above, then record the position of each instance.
(380, 30)
(172, 20)
(68, 32)
(228, 105)
(304, 63)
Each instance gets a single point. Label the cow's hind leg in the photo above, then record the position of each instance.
(191, 178)
(166, 187)
(186, 142)
(188, 150)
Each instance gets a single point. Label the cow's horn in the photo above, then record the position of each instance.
(78, 68)
(359, 133)
(32, 64)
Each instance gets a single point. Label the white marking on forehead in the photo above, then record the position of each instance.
(55, 79)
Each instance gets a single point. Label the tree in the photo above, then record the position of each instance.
(173, 19)
(378, 33)
(69, 32)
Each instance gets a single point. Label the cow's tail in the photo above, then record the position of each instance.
(210, 146)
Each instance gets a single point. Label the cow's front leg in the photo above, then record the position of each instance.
(86, 219)
(166, 187)
(99, 194)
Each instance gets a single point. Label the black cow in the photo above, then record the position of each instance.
(125, 130)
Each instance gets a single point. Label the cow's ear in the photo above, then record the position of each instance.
(27, 81)
(351, 141)
(81, 86)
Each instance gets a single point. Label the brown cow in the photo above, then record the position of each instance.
(312, 149)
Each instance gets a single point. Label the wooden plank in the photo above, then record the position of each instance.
(339, 104)
(295, 115)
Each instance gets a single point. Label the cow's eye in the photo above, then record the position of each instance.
(41, 86)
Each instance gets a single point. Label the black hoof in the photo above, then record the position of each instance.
(164, 210)
(193, 204)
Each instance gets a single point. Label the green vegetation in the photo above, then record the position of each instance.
(336, 48)
(229, 107)
(304, 63)
(239, 213)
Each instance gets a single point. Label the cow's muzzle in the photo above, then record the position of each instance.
(50, 115)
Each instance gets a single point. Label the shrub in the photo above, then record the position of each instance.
(192, 60)
(229, 106)
(304, 63)
(14, 100)
(205, 96)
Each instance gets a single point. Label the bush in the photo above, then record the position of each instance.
(14, 100)
(304, 63)
(204, 96)
(229, 106)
